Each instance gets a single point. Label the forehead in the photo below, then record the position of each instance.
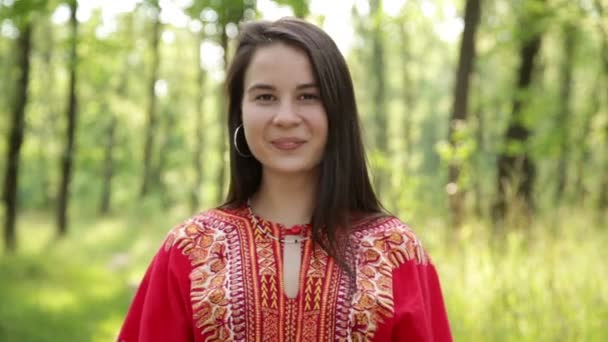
(279, 64)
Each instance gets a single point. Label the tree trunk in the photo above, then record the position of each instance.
(49, 127)
(195, 200)
(148, 169)
(221, 176)
(407, 97)
(563, 119)
(165, 150)
(110, 144)
(379, 92)
(11, 177)
(480, 155)
(68, 152)
(459, 113)
(603, 195)
(108, 171)
(515, 168)
(580, 191)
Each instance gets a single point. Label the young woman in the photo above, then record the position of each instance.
(301, 250)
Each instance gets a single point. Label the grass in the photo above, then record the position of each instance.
(78, 288)
(545, 282)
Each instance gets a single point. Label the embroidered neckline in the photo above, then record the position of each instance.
(303, 230)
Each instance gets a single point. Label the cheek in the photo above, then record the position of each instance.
(321, 125)
(249, 115)
(253, 124)
(252, 113)
(246, 113)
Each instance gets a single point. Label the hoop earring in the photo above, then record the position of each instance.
(236, 145)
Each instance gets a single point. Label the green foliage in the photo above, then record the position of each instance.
(300, 7)
(462, 149)
(460, 152)
(220, 12)
(21, 12)
(534, 17)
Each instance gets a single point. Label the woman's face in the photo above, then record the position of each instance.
(284, 119)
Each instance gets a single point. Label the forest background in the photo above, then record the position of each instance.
(486, 123)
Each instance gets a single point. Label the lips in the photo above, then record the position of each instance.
(287, 144)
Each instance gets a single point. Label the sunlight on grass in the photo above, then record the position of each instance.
(38, 235)
(107, 329)
(530, 285)
(102, 231)
(53, 299)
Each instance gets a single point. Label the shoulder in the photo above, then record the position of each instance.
(203, 229)
(390, 239)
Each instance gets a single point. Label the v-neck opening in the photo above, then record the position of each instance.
(301, 275)
(276, 232)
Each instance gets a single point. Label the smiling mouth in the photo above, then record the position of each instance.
(287, 144)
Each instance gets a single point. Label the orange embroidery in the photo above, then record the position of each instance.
(206, 250)
(237, 293)
(382, 249)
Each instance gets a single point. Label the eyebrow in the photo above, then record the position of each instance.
(263, 86)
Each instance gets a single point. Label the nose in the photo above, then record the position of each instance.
(287, 115)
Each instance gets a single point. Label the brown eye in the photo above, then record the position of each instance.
(265, 97)
(309, 97)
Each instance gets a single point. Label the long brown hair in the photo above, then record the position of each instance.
(345, 190)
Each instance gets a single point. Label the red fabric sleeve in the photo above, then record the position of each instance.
(161, 309)
(419, 311)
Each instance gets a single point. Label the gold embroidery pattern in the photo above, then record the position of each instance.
(236, 294)
(207, 250)
(269, 283)
(333, 282)
(381, 250)
(291, 320)
(314, 298)
(243, 315)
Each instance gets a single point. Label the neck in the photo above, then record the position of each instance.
(286, 198)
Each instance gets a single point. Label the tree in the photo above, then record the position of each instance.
(379, 86)
(407, 91)
(15, 140)
(71, 116)
(480, 147)
(151, 123)
(603, 196)
(516, 168)
(563, 119)
(168, 127)
(111, 140)
(582, 170)
(226, 13)
(459, 109)
(47, 129)
(108, 165)
(198, 125)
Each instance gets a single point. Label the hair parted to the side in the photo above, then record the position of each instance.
(344, 189)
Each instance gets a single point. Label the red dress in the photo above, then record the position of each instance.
(217, 278)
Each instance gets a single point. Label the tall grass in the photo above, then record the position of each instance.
(542, 282)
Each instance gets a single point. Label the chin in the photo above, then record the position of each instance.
(291, 168)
